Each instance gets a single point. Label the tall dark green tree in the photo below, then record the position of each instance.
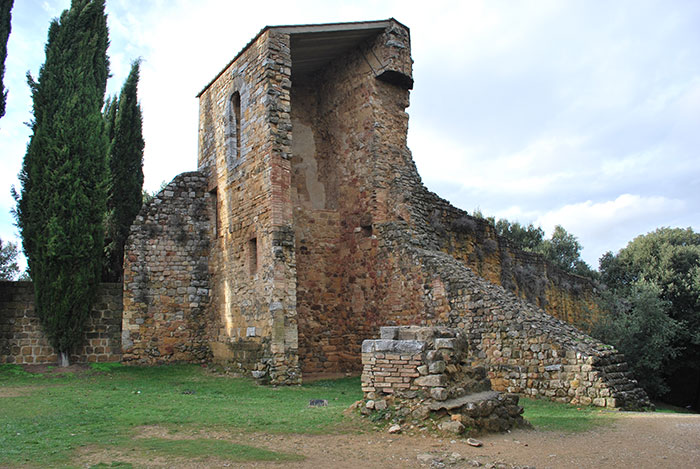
(125, 159)
(5, 27)
(61, 207)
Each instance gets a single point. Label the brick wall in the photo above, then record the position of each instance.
(339, 173)
(22, 340)
(245, 151)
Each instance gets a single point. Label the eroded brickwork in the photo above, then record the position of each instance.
(341, 153)
(22, 340)
(425, 372)
(166, 276)
(525, 350)
(245, 138)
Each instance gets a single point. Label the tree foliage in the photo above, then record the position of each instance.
(638, 325)
(564, 250)
(668, 260)
(561, 249)
(8, 261)
(125, 158)
(527, 238)
(60, 210)
(5, 28)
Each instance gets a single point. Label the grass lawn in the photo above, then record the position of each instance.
(552, 416)
(54, 420)
(46, 419)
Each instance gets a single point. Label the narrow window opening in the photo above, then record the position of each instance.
(236, 104)
(215, 205)
(253, 255)
(233, 130)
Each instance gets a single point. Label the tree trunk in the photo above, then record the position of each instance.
(63, 359)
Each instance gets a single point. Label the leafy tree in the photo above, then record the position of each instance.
(639, 326)
(8, 261)
(124, 125)
(562, 248)
(5, 28)
(527, 238)
(60, 210)
(478, 214)
(668, 259)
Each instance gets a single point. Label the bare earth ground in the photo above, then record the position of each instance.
(634, 440)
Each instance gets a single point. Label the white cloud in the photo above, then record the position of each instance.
(543, 111)
(609, 225)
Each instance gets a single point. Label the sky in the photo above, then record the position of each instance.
(580, 113)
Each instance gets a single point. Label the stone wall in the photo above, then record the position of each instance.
(22, 340)
(244, 141)
(166, 276)
(307, 227)
(338, 165)
(474, 242)
(525, 350)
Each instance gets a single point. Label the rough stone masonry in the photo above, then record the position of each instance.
(306, 227)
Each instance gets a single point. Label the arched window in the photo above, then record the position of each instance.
(233, 130)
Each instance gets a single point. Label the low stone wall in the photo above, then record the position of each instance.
(166, 276)
(22, 340)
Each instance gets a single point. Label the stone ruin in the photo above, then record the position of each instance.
(306, 227)
(421, 372)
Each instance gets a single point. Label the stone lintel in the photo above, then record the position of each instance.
(400, 346)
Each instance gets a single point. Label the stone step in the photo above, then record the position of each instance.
(463, 400)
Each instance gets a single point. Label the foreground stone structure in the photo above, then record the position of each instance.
(306, 227)
(421, 372)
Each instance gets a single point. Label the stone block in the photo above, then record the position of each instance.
(436, 367)
(445, 343)
(438, 393)
(452, 426)
(389, 332)
(431, 380)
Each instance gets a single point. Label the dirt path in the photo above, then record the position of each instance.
(634, 440)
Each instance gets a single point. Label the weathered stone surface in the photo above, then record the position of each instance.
(318, 228)
(439, 394)
(395, 346)
(22, 340)
(452, 427)
(463, 400)
(431, 380)
(389, 333)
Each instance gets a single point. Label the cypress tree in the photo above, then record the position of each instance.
(60, 210)
(5, 27)
(110, 115)
(125, 159)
